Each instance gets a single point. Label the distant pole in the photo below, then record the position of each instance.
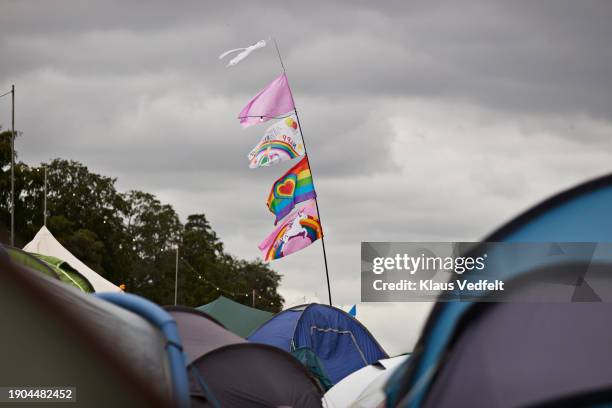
(316, 201)
(253, 298)
(176, 277)
(45, 200)
(13, 166)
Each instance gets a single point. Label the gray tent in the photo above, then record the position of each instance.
(226, 370)
(56, 335)
(530, 354)
(540, 353)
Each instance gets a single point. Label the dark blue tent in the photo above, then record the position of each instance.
(581, 214)
(342, 343)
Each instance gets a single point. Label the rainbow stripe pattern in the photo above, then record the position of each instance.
(294, 187)
(272, 152)
(297, 231)
(282, 141)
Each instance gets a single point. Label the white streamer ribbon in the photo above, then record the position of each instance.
(243, 52)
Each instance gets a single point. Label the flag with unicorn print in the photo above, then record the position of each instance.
(281, 142)
(300, 229)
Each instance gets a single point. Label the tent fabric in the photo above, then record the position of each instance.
(29, 261)
(237, 373)
(374, 393)
(44, 243)
(310, 360)
(508, 354)
(364, 387)
(60, 335)
(199, 332)
(236, 317)
(50, 266)
(256, 375)
(279, 331)
(66, 273)
(580, 214)
(341, 343)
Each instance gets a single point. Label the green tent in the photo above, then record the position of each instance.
(28, 260)
(66, 273)
(50, 266)
(237, 318)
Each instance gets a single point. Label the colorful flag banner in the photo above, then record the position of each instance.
(242, 53)
(274, 100)
(294, 187)
(281, 142)
(296, 232)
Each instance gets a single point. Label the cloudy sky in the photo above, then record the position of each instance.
(425, 121)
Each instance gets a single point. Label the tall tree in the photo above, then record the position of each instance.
(154, 232)
(131, 237)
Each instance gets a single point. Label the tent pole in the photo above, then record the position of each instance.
(176, 277)
(316, 201)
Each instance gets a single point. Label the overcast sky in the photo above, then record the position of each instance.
(425, 121)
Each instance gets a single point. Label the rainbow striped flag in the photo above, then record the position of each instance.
(282, 141)
(292, 188)
(296, 232)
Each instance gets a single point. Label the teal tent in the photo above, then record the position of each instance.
(236, 317)
(310, 360)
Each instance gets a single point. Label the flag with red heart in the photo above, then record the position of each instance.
(294, 187)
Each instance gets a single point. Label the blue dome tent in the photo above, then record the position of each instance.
(444, 369)
(341, 343)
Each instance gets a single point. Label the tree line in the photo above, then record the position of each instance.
(129, 237)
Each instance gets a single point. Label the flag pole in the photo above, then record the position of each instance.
(306, 154)
(13, 166)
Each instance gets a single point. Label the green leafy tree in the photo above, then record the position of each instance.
(131, 237)
(5, 185)
(154, 227)
(260, 277)
(154, 231)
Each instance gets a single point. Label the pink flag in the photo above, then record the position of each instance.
(300, 229)
(275, 99)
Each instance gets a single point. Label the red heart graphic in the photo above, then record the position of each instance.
(286, 188)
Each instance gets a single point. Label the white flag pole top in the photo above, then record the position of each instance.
(242, 52)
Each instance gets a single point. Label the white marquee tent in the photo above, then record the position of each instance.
(44, 243)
